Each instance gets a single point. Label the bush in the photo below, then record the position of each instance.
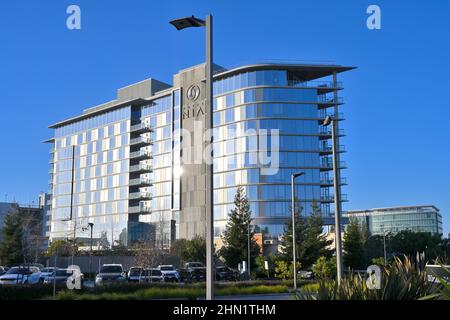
(25, 292)
(325, 268)
(403, 280)
(167, 292)
(285, 270)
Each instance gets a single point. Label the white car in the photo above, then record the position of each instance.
(169, 272)
(47, 272)
(110, 274)
(21, 275)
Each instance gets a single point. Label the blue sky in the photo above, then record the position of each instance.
(396, 103)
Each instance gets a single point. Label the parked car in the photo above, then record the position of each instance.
(2, 270)
(306, 275)
(110, 274)
(152, 275)
(193, 271)
(45, 272)
(169, 273)
(60, 276)
(21, 275)
(134, 274)
(225, 274)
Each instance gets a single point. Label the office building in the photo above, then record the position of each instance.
(122, 165)
(414, 218)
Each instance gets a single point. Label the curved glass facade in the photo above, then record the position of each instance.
(266, 100)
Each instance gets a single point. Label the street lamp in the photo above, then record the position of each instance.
(180, 24)
(91, 225)
(294, 247)
(337, 198)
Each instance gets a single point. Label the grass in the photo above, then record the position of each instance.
(166, 292)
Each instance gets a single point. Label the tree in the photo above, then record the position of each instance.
(353, 246)
(374, 248)
(237, 232)
(325, 268)
(193, 250)
(22, 240)
(11, 249)
(410, 243)
(147, 255)
(63, 248)
(311, 242)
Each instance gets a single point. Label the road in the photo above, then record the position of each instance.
(272, 296)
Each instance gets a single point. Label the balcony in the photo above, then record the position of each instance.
(321, 86)
(140, 168)
(323, 99)
(141, 128)
(325, 134)
(140, 182)
(323, 114)
(327, 150)
(52, 158)
(330, 198)
(140, 209)
(140, 196)
(141, 154)
(140, 141)
(328, 165)
(330, 182)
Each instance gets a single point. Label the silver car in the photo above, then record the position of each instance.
(21, 275)
(110, 274)
(60, 276)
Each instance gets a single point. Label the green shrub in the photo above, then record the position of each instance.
(405, 279)
(285, 270)
(24, 292)
(325, 268)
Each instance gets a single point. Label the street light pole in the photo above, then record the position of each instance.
(248, 250)
(294, 246)
(180, 24)
(337, 198)
(384, 246)
(91, 225)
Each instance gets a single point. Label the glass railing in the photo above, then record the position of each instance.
(327, 132)
(140, 209)
(141, 167)
(140, 181)
(141, 126)
(140, 153)
(329, 164)
(323, 114)
(340, 148)
(331, 181)
(140, 195)
(139, 140)
(327, 99)
(314, 84)
(330, 198)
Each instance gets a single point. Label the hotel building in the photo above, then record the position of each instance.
(117, 165)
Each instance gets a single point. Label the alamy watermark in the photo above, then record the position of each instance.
(200, 146)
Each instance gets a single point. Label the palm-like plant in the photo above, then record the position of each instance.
(405, 279)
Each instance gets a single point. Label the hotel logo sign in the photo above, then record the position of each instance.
(194, 107)
(193, 92)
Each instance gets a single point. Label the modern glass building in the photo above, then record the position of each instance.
(395, 219)
(119, 165)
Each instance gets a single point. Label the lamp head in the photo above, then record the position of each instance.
(327, 121)
(298, 174)
(187, 22)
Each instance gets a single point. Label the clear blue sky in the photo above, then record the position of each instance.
(397, 107)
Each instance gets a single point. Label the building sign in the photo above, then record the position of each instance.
(193, 108)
